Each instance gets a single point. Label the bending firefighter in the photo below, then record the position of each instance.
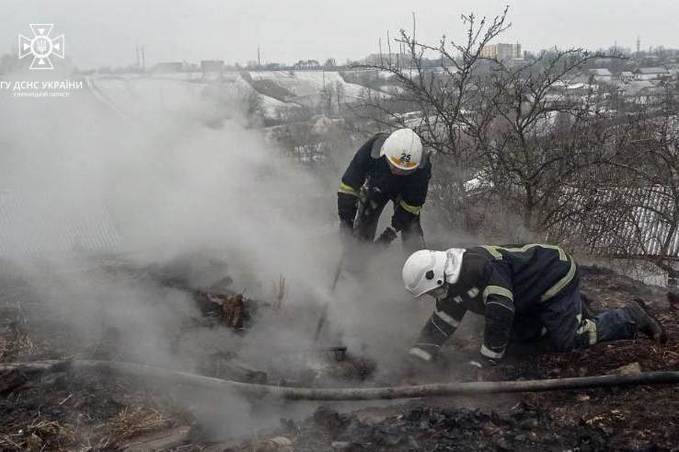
(524, 292)
(386, 168)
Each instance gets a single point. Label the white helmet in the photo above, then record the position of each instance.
(426, 270)
(403, 149)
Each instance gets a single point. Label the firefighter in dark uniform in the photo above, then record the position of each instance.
(525, 292)
(388, 167)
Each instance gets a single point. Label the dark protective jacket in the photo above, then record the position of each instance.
(498, 282)
(409, 192)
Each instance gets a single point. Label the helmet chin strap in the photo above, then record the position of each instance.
(439, 292)
(397, 171)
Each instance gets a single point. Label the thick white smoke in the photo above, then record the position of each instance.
(153, 184)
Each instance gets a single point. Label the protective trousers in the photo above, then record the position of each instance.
(561, 320)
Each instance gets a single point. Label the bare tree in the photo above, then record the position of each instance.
(438, 88)
(534, 135)
(339, 92)
(327, 96)
(648, 162)
(433, 86)
(627, 205)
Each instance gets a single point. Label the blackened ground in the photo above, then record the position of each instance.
(636, 418)
(445, 429)
(65, 411)
(91, 410)
(632, 418)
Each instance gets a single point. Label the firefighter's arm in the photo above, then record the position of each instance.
(441, 325)
(498, 299)
(412, 199)
(351, 183)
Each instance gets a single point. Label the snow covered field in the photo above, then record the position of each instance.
(310, 83)
(278, 93)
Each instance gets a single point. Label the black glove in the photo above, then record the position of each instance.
(371, 198)
(402, 219)
(346, 209)
(386, 237)
(374, 194)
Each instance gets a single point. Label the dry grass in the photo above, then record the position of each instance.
(52, 435)
(16, 344)
(5, 348)
(133, 421)
(40, 435)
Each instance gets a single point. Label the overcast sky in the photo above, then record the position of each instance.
(105, 32)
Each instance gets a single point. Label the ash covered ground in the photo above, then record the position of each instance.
(63, 409)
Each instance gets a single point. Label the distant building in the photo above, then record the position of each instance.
(601, 75)
(396, 59)
(212, 66)
(307, 65)
(635, 86)
(580, 89)
(168, 67)
(642, 91)
(502, 52)
(651, 73)
(626, 76)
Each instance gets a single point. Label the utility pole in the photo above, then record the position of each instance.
(259, 58)
(638, 45)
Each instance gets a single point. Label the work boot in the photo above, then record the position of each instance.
(645, 321)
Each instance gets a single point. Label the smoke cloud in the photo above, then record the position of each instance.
(151, 172)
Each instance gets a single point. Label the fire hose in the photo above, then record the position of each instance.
(351, 394)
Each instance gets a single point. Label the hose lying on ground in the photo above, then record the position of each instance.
(347, 394)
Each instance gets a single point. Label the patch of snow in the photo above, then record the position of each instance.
(310, 83)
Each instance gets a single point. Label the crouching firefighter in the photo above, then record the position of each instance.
(524, 292)
(388, 167)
